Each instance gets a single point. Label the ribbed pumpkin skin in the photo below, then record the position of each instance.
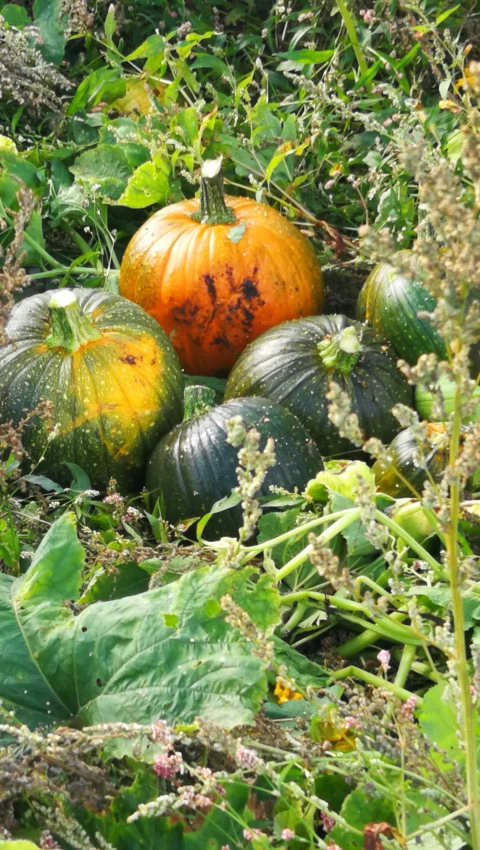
(284, 365)
(389, 479)
(212, 295)
(193, 466)
(112, 399)
(390, 302)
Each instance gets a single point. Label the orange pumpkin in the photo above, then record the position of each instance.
(218, 273)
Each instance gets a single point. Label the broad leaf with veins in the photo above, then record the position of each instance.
(165, 653)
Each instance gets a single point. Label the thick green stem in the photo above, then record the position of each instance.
(388, 627)
(342, 351)
(404, 668)
(366, 638)
(412, 543)
(352, 672)
(432, 827)
(251, 551)
(295, 619)
(468, 711)
(408, 657)
(70, 328)
(213, 209)
(373, 586)
(80, 242)
(62, 269)
(327, 535)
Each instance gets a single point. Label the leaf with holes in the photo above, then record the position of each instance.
(123, 660)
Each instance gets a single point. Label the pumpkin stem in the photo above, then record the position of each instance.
(197, 400)
(70, 327)
(213, 209)
(341, 352)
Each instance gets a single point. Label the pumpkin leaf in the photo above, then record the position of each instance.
(305, 671)
(125, 580)
(148, 185)
(359, 810)
(437, 718)
(107, 169)
(119, 660)
(273, 525)
(50, 18)
(217, 827)
(15, 16)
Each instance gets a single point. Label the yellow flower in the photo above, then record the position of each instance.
(284, 694)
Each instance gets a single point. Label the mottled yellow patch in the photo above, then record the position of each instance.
(118, 385)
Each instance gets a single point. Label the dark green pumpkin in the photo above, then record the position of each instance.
(193, 466)
(401, 478)
(111, 374)
(294, 363)
(390, 303)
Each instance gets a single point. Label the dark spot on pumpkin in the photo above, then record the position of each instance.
(99, 683)
(249, 289)
(129, 358)
(185, 313)
(248, 315)
(84, 629)
(152, 362)
(210, 286)
(230, 277)
(222, 340)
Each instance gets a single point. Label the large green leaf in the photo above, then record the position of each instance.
(147, 185)
(165, 653)
(106, 169)
(358, 810)
(219, 828)
(50, 18)
(438, 720)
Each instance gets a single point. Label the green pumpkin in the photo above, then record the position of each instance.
(193, 466)
(294, 363)
(424, 400)
(401, 478)
(110, 373)
(390, 303)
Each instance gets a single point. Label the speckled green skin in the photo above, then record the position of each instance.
(193, 466)
(112, 399)
(401, 478)
(284, 365)
(390, 304)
